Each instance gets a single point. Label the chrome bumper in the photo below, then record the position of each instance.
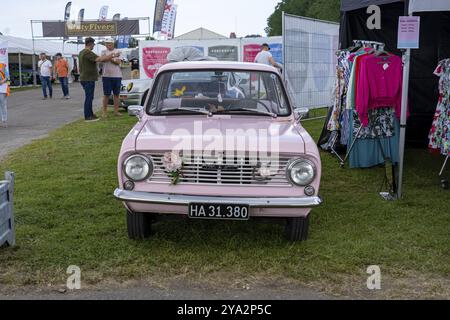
(174, 199)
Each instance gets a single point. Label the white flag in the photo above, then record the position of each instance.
(103, 13)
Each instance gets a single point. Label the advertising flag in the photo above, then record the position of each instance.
(81, 15)
(67, 11)
(81, 19)
(103, 13)
(160, 8)
(168, 26)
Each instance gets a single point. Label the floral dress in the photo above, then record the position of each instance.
(440, 130)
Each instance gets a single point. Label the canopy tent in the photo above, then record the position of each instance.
(21, 58)
(419, 63)
(25, 46)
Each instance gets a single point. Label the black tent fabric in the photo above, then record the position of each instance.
(349, 5)
(434, 46)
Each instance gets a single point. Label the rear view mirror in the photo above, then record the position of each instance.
(301, 113)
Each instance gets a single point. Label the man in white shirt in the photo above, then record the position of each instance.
(265, 57)
(45, 71)
(111, 77)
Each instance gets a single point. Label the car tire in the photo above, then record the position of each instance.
(139, 225)
(297, 229)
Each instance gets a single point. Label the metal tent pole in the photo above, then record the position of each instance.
(20, 70)
(403, 120)
(33, 57)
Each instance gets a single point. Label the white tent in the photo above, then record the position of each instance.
(21, 52)
(200, 34)
(25, 46)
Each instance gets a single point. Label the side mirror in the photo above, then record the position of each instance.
(136, 111)
(301, 113)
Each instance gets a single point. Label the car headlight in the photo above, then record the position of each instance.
(138, 168)
(301, 172)
(130, 87)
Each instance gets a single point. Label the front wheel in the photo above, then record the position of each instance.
(297, 229)
(139, 225)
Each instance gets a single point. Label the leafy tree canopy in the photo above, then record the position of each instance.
(318, 9)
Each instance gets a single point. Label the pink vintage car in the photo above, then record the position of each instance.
(218, 140)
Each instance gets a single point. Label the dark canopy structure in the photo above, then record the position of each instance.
(434, 46)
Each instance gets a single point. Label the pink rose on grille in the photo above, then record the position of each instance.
(172, 161)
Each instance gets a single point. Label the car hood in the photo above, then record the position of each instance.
(220, 133)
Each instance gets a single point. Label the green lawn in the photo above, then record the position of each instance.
(66, 215)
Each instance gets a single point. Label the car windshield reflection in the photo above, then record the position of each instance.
(219, 92)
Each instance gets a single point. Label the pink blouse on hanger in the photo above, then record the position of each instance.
(379, 85)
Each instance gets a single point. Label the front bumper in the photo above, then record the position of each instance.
(184, 200)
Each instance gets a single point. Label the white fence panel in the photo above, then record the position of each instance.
(310, 60)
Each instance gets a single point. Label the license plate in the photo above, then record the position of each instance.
(219, 211)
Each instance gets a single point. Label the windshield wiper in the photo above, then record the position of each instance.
(271, 114)
(202, 111)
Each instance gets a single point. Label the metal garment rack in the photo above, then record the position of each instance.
(363, 44)
(444, 181)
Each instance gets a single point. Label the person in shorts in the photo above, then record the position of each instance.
(111, 77)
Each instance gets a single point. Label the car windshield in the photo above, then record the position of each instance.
(219, 92)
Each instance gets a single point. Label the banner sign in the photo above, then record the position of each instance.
(250, 52)
(90, 28)
(154, 58)
(276, 49)
(408, 33)
(123, 42)
(153, 54)
(224, 53)
(160, 8)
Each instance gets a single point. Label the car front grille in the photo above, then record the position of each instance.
(223, 171)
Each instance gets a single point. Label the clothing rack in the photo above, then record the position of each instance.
(372, 44)
(444, 181)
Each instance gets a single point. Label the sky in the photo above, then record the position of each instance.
(222, 16)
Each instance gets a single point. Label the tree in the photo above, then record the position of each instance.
(318, 9)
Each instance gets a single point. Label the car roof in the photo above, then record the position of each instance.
(206, 65)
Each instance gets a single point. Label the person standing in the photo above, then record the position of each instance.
(265, 57)
(89, 75)
(62, 72)
(45, 71)
(111, 77)
(4, 93)
(134, 68)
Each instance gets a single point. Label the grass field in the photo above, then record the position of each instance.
(66, 215)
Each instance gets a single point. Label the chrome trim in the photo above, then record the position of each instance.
(177, 199)
(241, 172)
